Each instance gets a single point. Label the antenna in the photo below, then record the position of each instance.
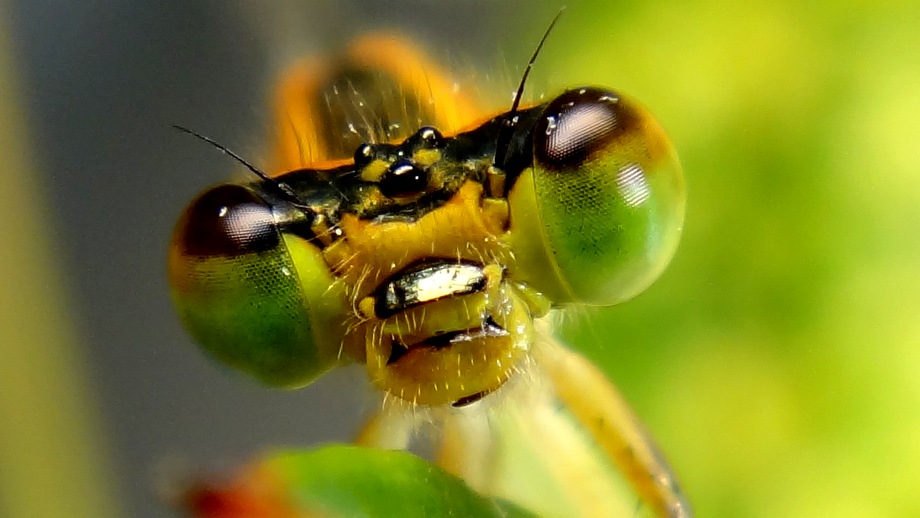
(282, 187)
(504, 136)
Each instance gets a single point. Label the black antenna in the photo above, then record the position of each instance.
(282, 187)
(504, 136)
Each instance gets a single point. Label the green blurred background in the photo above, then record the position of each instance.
(776, 361)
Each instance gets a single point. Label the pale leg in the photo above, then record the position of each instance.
(598, 406)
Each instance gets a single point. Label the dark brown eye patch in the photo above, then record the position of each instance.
(575, 125)
(227, 220)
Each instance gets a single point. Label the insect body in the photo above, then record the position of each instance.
(431, 256)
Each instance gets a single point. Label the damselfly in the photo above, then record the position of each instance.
(402, 234)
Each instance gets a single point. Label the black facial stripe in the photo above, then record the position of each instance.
(469, 400)
(464, 157)
(488, 329)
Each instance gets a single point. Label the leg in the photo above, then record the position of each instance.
(387, 429)
(606, 416)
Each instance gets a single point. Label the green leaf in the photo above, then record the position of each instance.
(347, 481)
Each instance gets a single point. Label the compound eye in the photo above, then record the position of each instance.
(256, 298)
(577, 125)
(403, 179)
(598, 216)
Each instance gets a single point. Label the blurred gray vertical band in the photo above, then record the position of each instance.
(52, 459)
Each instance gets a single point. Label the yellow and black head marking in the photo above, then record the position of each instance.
(401, 236)
(419, 246)
(428, 253)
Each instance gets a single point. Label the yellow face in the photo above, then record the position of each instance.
(397, 234)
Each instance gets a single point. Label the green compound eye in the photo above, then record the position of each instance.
(598, 217)
(257, 298)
